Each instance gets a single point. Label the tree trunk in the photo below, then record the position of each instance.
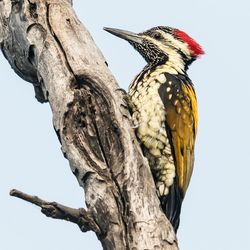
(47, 45)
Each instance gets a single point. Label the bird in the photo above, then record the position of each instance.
(164, 110)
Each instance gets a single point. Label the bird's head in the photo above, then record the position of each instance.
(162, 44)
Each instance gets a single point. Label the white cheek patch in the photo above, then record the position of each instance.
(166, 48)
(175, 59)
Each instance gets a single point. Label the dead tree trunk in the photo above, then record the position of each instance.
(47, 45)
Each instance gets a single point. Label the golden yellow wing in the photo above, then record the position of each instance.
(181, 119)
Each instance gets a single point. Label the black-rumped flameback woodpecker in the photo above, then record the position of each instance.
(164, 110)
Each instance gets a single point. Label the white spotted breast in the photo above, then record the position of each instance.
(149, 116)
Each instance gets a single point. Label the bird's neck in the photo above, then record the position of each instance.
(175, 62)
(174, 65)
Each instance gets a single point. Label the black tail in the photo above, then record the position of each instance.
(171, 205)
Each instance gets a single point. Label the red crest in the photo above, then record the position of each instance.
(195, 48)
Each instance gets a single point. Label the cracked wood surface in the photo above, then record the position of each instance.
(48, 46)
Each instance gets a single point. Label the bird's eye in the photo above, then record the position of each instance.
(157, 36)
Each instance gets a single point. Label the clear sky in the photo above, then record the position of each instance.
(217, 205)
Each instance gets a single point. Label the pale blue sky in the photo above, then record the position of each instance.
(216, 208)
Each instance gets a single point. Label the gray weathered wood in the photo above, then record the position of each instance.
(48, 46)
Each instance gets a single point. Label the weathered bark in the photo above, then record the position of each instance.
(47, 45)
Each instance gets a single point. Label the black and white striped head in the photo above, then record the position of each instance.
(161, 44)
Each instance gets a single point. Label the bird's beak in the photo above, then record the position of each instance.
(126, 35)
